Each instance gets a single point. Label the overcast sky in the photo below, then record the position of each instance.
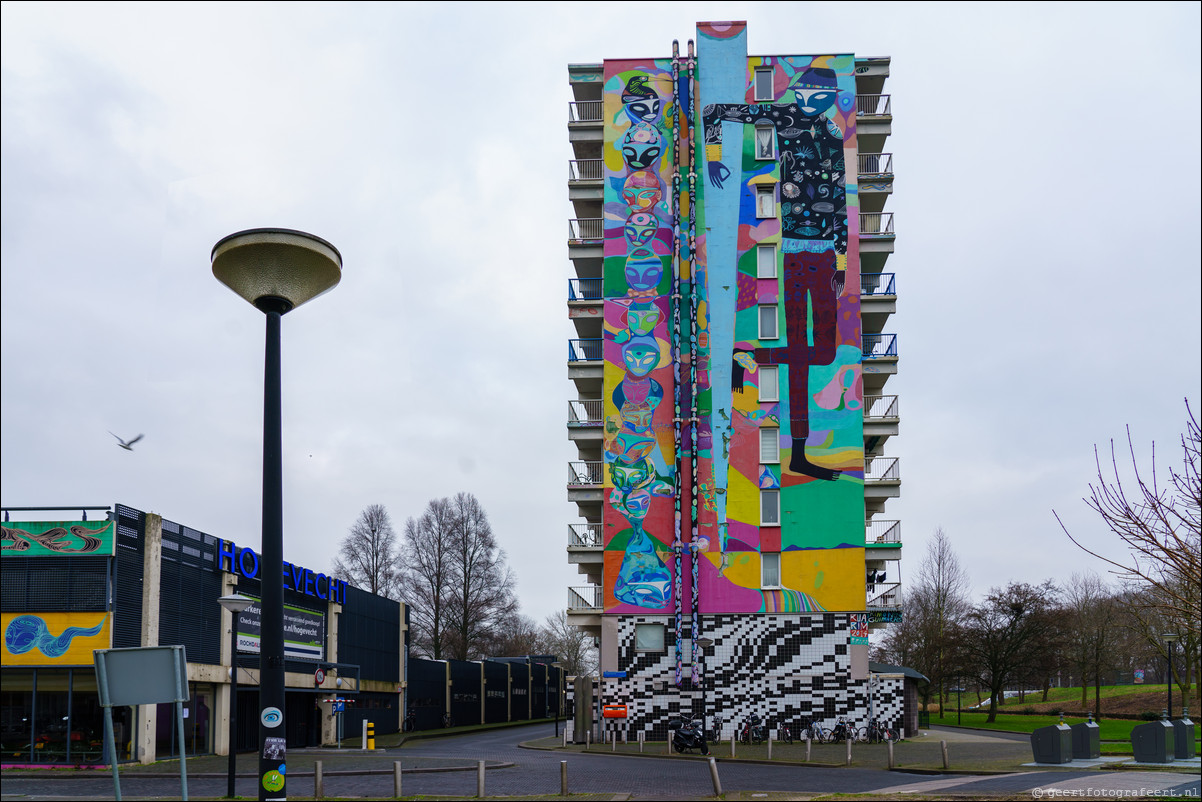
(1047, 216)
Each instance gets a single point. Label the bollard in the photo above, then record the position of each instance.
(943, 746)
(732, 746)
(642, 740)
(563, 778)
(625, 737)
(769, 745)
(363, 737)
(669, 742)
(809, 742)
(371, 736)
(849, 750)
(588, 736)
(613, 741)
(396, 778)
(319, 790)
(714, 777)
(565, 737)
(480, 779)
(891, 763)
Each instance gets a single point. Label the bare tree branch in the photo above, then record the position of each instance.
(367, 556)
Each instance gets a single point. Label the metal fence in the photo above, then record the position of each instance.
(585, 229)
(584, 289)
(877, 284)
(585, 169)
(879, 346)
(880, 406)
(584, 535)
(584, 597)
(882, 469)
(584, 350)
(876, 224)
(876, 163)
(585, 472)
(882, 532)
(873, 106)
(584, 412)
(584, 111)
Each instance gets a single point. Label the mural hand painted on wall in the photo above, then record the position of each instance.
(26, 632)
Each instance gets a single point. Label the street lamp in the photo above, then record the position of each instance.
(276, 270)
(1170, 638)
(558, 693)
(235, 603)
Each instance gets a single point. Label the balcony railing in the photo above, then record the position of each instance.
(876, 224)
(877, 284)
(587, 536)
(882, 532)
(586, 169)
(587, 229)
(880, 406)
(589, 289)
(870, 106)
(585, 350)
(876, 164)
(882, 469)
(585, 111)
(879, 346)
(884, 597)
(582, 474)
(587, 597)
(585, 412)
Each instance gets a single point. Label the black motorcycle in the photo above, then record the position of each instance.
(688, 734)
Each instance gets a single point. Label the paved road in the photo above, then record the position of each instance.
(537, 772)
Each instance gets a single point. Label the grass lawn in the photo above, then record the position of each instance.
(1109, 729)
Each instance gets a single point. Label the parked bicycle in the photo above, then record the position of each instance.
(878, 733)
(715, 732)
(448, 720)
(410, 723)
(813, 730)
(784, 732)
(840, 732)
(753, 730)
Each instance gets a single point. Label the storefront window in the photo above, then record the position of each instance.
(198, 721)
(50, 719)
(87, 719)
(16, 699)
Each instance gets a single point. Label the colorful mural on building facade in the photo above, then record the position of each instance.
(640, 444)
(54, 639)
(52, 538)
(734, 394)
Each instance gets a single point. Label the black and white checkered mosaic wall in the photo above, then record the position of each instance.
(786, 668)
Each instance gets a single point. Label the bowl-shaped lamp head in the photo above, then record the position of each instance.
(235, 602)
(276, 268)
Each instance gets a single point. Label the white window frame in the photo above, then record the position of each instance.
(639, 629)
(769, 154)
(769, 508)
(769, 445)
(760, 94)
(768, 314)
(765, 261)
(770, 558)
(774, 393)
(765, 201)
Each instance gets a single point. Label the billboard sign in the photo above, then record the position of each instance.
(304, 632)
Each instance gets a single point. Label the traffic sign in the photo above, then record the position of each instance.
(319, 676)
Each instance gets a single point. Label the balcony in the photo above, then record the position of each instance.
(585, 412)
(881, 470)
(584, 536)
(884, 596)
(866, 106)
(882, 533)
(876, 165)
(876, 224)
(588, 350)
(880, 407)
(878, 285)
(587, 111)
(878, 346)
(587, 230)
(585, 170)
(589, 289)
(586, 473)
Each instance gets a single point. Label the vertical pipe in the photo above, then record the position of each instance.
(232, 737)
(695, 288)
(563, 778)
(714, 777)
(271, 683)
(396, 778)
(943, 749)
(480, 779)
(678, 481)
(319, 783)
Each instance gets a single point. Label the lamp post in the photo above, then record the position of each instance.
(558, 693)
(235, 603)
(276, 270)
(1170, 638)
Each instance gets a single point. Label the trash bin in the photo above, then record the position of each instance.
(1087, 744)
(1184, 733)
(1153, 742)
(1053, 744)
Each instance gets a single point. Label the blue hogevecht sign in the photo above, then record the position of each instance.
(245, 562)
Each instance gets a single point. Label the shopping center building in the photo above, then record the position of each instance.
(129, 578)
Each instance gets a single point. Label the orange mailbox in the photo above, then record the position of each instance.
(613, 711)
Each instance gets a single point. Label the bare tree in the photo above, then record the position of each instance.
(520, 637)
(943, 585)
(482, 601)
(368, 554)
(1147, 618)
(1007, 636)
(1091, 615)
(427, 576)
(572, 645)
(1160, 525)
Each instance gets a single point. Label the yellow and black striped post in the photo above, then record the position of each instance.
(371, 735)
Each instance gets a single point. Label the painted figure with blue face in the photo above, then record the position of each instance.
(640, 102)
(640, 229)
(641, 146)
(812, 199)
(642, 190)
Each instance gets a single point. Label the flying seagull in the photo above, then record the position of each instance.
(128, 446)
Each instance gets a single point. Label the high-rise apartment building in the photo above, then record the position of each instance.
(731, 303)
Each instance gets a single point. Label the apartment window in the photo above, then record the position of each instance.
(770, 569)
(769, 445)
(765, 200)
(765, 142)
(768, 326)
(769, 383)
(686, 651)
(649, 637)
(765, 261)
(763, 84)
(769, 508)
